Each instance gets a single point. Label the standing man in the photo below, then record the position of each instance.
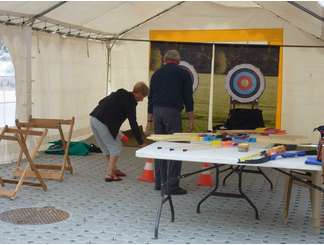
(106, 120)
(170, 92)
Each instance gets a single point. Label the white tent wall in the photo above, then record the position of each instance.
(303, 68)
(303, 91)
(18, 42)
(69, 78)
(130, 64)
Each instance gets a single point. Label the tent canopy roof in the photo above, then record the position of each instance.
(106, 19)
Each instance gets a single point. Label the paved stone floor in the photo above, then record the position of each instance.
(124, 212)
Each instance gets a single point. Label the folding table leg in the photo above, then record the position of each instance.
(266, 177)
(287, 196)
(240, 169)
(229, 174)
(211, 192)
(164, 197)
(316, 201)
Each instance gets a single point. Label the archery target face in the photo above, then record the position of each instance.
(245, 83)
(193, 73)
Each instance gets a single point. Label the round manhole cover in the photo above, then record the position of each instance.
(34, 216)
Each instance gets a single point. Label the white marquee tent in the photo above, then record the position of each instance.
(67, 55)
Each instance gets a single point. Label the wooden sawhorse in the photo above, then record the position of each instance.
(49, 170)
(19, 135)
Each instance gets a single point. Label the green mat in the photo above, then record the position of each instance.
(76, 148)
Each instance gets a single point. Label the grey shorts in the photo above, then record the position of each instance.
(107, 143)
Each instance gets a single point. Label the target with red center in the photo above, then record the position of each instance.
(245, 83)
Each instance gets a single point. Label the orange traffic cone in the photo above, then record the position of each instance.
(148, 174)
(205, 178)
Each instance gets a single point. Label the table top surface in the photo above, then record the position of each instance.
(193, 152)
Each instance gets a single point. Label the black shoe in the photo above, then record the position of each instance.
(178, 191)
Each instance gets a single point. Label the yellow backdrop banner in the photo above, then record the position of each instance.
(248, 36)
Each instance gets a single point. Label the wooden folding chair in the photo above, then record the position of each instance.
(54, 171)
(305, 176)
(1, 182)
(17, 135)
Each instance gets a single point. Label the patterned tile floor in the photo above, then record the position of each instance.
(124, 212)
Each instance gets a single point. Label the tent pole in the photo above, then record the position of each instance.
(29, 94)
(108, 78)
(211, 92)
(216, 43)
(109, 45)
(297, 5)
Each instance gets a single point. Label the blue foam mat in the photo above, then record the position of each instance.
(313, 160)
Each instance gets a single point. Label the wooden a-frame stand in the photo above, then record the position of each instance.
(49, 170)
(19, 136)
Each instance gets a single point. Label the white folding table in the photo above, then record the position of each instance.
(192, 152)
